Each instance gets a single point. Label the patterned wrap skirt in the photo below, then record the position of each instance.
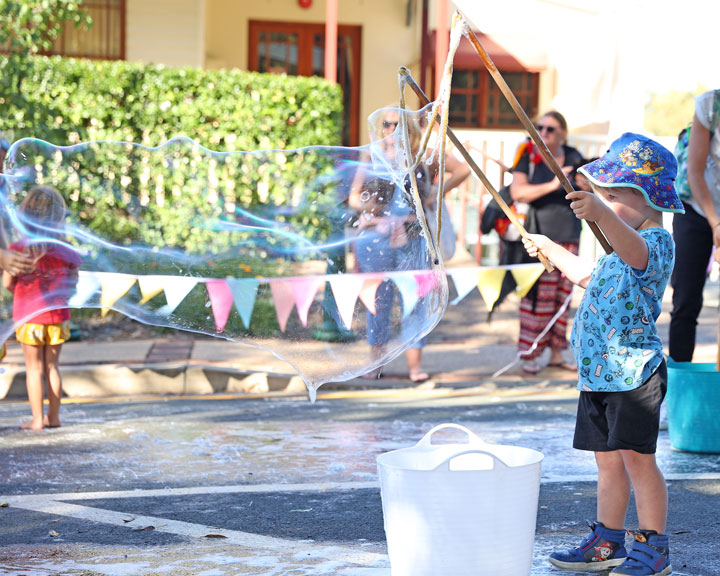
(538, 308)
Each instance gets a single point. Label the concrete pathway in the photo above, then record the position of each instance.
(462, 350)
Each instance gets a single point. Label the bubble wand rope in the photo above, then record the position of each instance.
(475, 168)
(529, 126)
(519, 356)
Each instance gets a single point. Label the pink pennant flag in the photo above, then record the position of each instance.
(221, 300)
(346, 288)
(427, 282)
(367, 293)
(284, 302)
(304, 290)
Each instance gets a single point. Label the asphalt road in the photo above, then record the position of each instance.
(279, 486)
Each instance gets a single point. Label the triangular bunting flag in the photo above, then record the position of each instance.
(526, 276)
(367, 292)
(284, 302)
(465, 280)
(88, 285)
(490, 283)
(346, 288)
(221, 301)
(427, 281)
(244, 292)
(151, 286)
(304, 290)
(408, 287)
(114, 286)
(176, 289)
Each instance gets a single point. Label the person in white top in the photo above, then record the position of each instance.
(698, 230)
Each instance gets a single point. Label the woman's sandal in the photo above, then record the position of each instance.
(531, 367)
(418, 377)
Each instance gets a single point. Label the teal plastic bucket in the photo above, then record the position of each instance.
(693, 406)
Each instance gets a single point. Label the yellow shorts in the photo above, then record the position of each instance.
(43, 334)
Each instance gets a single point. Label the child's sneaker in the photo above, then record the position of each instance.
(602, 549)
(650, 556)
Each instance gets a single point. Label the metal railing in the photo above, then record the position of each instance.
(493, 152)
(467, 202)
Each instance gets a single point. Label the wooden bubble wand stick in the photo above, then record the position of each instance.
(529, 126)
(474, 167)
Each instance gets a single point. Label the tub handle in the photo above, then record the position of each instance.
(496, 459)
(474, 444)
(426, 441)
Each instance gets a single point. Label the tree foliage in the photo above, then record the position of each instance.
(30, 27)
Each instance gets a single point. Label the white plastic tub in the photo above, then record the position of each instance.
(460, 509)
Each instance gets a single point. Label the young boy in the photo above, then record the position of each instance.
(621, 368)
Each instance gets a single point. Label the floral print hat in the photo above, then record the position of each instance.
(638, 162)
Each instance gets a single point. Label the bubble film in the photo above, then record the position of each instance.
(320, 255)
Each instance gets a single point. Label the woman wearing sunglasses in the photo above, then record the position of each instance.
(550, 214)
(389, 236)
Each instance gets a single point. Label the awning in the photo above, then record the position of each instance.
(509, 52)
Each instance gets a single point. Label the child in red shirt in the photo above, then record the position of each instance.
(41, 298)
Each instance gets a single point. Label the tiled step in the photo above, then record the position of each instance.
(169, 351)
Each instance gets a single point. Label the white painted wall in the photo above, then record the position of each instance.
(608, 56)
(170, 32)
(387, 42)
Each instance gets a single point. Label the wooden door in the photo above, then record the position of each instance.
(299, 49)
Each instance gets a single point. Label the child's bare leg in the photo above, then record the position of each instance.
(54, 380)
(613, 489)
(34, 374)
(651, 497)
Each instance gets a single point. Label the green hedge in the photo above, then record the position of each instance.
(167, 198)
(68, 100)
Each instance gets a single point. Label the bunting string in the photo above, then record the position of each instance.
(108, 289)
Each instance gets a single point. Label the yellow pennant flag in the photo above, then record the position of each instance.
(151, 286)
(526, 276)
(113, 286)
(489, 283)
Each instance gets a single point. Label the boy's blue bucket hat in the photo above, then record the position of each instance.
(638, 162)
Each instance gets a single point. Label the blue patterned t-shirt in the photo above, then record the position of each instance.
(616, 344)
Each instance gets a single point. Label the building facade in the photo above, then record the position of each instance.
(374, 39)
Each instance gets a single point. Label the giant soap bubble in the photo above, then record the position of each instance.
(321, 255)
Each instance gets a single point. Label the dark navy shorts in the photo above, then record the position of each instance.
(622, 420)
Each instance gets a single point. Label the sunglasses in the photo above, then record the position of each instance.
(388, 124)
(549, 129)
